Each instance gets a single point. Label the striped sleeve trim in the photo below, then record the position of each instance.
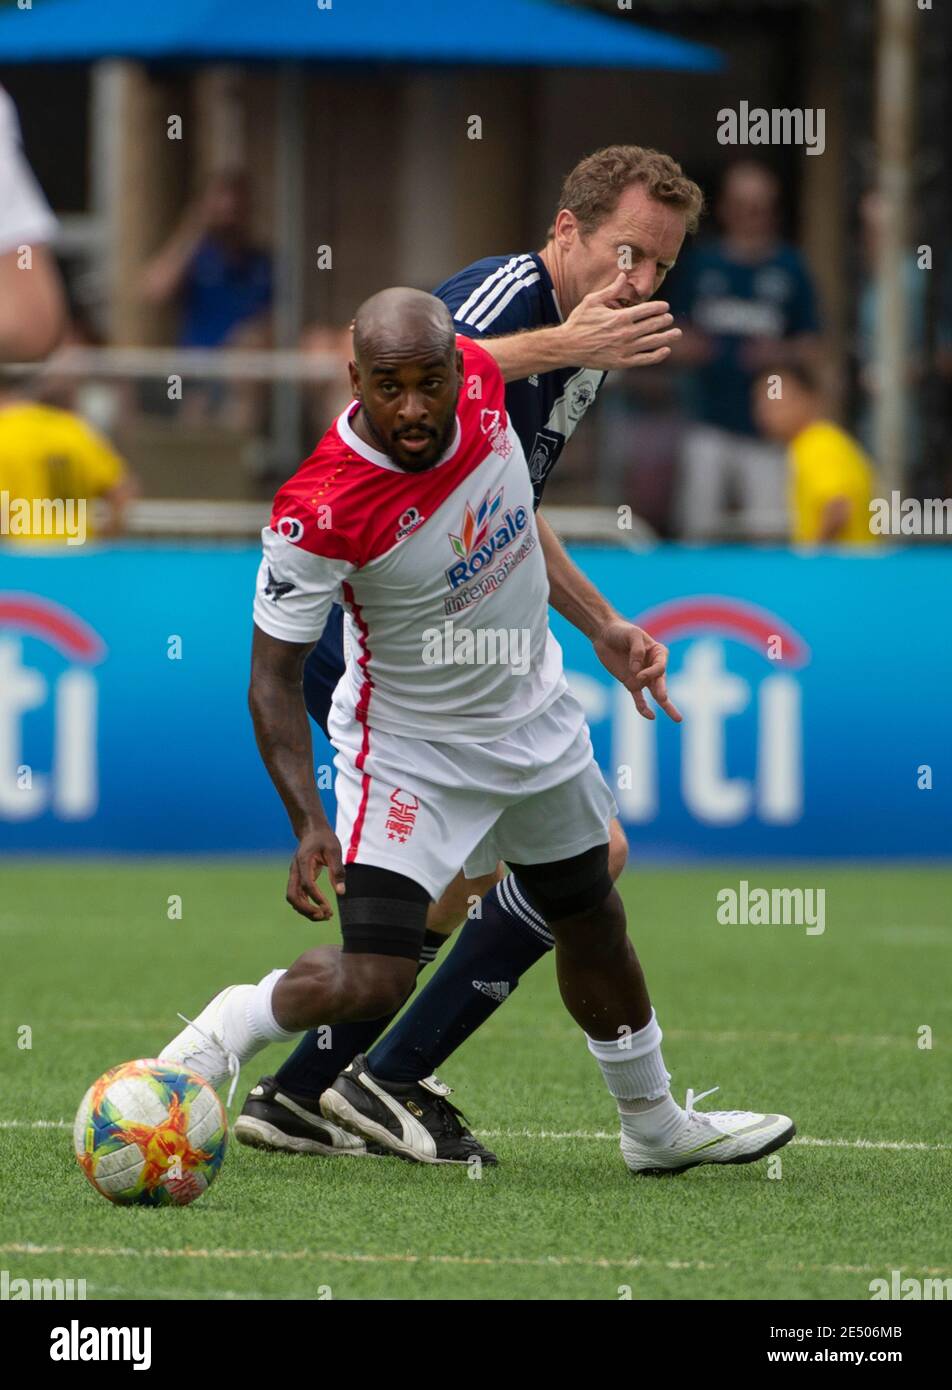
(497, 290)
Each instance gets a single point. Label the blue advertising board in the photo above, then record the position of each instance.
(814, 688)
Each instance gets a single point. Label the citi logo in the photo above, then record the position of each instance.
(75, 1343)
(70, 789)
(712, 697)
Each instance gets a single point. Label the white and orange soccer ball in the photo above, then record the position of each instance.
(150, 1134)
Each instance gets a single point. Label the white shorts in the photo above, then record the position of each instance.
(425, 809)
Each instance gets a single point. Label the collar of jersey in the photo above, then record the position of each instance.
(354, 442)
(544, 269)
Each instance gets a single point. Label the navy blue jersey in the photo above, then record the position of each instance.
(509, 294)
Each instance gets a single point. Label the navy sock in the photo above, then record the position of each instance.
(311, 1067)
(483, 968)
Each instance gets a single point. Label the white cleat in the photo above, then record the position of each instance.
(201, 1045)
(716, 1136)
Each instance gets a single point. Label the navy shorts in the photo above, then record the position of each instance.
(324, 668)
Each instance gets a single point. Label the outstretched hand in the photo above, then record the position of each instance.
(639, 662)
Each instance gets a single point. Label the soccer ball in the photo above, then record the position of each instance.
(150, 1134)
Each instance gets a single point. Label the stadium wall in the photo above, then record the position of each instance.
(813, 689)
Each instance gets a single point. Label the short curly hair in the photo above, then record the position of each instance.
(591, 190)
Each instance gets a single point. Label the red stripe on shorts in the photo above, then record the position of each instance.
(363, 706)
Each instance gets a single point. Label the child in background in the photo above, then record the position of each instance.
(830, 480)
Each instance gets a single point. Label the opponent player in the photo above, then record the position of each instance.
(441, 760)
(555, 322)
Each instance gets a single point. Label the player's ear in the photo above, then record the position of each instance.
(566, 227)
(354, 373)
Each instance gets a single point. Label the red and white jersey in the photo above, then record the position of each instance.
(441, 575)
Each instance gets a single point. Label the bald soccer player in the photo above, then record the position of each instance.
(555, 321)
(440, 762)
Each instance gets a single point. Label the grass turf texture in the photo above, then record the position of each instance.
(822, 1027)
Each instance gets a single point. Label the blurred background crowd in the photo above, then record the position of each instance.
(216, 224)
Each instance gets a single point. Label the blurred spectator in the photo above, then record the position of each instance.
(223, 284)
(830, 479)
(31, 296)
(209, 263)
(742, 300)
(48, 455)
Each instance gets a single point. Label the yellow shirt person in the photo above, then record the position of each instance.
(826, 464)
(52, 465)
(830, 480)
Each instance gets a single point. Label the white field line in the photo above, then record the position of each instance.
(162, 1026)
(404, 1257)
(729, 1037)
(224, 1295)
(803, 1140)
(910, 1145)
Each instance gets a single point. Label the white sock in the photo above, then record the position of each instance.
(636, 1076)
(654, 1124)
(248, 1019)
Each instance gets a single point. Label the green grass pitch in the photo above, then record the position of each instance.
(826, 1028)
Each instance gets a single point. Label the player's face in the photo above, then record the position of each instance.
(409, 404)
(641, 238)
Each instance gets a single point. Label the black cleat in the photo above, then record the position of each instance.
(412, 1119)
(271, 1119)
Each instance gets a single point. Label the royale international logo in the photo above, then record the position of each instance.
(485, 536)
(58, 706)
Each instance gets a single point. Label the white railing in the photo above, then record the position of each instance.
(240, 520)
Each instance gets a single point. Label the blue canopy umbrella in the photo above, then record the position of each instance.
(492, 32)
(292, 33)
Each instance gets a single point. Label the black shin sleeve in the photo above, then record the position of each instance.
(382, 913)
(567, 886)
